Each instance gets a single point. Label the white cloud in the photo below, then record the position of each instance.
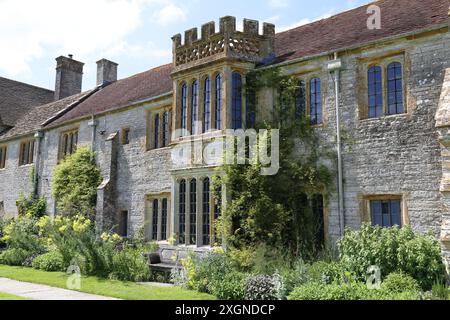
(278, 3)
(304, 21)
(169, 14)
(29, 28)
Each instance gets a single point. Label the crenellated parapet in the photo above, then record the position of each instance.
(247, 45)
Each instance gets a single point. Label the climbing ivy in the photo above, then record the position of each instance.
(75, 182)
(278, 210)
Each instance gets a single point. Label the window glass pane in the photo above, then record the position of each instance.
(218, 104)
(155, 221)
(386, 213)
(396, 212)
(207, 106)
(237, 101)
(395, 88)
(300, 101)
(375, 92)
(315, 102)
(156, 132)
(193, 212)
(182, 213)
(194, 107)
(184, 106)
(375, 208)
(206, 212)
(164, 213)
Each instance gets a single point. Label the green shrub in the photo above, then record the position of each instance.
(30, 206)
(400, 282)
(22, 233)
(326, 272)
(75, 182)
(393, 250)
(229, 287)
(130, 265)
(50, 261)
(263, 288)
(14, 257)
(350, 291)
(294, 276)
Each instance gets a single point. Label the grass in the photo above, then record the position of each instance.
(6, 296)
(109, 288)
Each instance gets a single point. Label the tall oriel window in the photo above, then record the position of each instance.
(206, 212)
(315, 101)
(236, 103)
(395, 88)
(194, 107)
(218, 102)
(193, 212)
(207, 105)
(375, 91)
(184, 108)
(182, 213)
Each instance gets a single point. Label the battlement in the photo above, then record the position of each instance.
(247, 45)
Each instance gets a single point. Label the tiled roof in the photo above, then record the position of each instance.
(122, 93)
(350, 28)
(37, 115)
(16, 98)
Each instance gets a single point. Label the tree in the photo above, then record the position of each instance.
(75, 184)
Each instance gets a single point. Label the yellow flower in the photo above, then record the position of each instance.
(43, 222)
(116, 238)
(62, 229)
(104, 236)
(218, 250)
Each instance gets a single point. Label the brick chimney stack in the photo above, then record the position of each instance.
(69, 77)
(106, 72)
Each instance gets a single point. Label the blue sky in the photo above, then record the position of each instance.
(134, 33)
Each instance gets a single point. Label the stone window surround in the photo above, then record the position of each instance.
(150, 198)
(150, 145)
(365, 201)
(226, 99)
(32, 154)
(383, 62)
(4, 154)
(199, 203)
(60, 143)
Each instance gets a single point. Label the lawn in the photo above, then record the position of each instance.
(109, 288)
(6, 296)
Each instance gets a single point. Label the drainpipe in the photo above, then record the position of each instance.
(93, 124)
(38, 136)
(335, 66)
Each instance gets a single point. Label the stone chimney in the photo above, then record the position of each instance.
(69, 77)
(106, 72)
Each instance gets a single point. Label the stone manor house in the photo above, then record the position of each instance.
(389, 88)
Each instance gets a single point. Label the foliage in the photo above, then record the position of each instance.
(230, 287)
(326, 272)
(294, 276)
(263, 287)
(22, 233)
(31, 206)
(75, 182)
(130, 265)
(277, 210)
(393, 250)
(50, 261)
(13, 257)
(399, 282)
(350, 291)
